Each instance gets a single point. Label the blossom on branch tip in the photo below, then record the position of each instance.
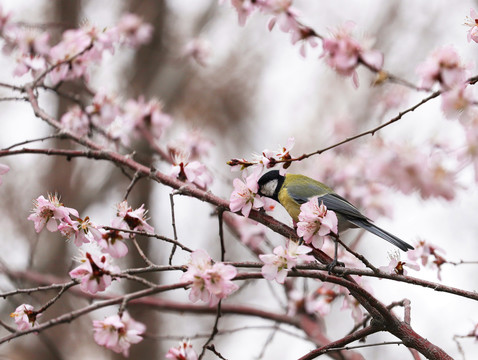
(111, 242)
(210, 283)
(193, 171)
(316, 222)
(277, 265)
(3, 170)
(25, 316)
(396, 266)
(244, 197)
(82, 231)
(118, 333)
(50, 212)
(184, 351)
(343, 53)
(94, 273)
(127, 218)
(76, 121)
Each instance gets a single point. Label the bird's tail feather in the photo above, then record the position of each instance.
(381, 233)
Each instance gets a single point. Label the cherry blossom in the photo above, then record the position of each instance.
(277, 265)
(457, 100)
(3, 170)
(76, 121)
(192, 142)
(50, 212)
(118, 333)
(184, 351)
(82, 231)
(472, 22)
(25, 316)
(127, 218)
(429, 254)
(192, 171)
(111, 242)
(94, 272)
(244, 197)
(316, 222)
(444, 66)
(396, 266)
(199, 50)
(210, 283)
(133, 30)
(343, 53)
(104, 108)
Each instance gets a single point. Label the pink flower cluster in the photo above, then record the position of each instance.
(25, 316)
(118, 333)
(95, 272)
(316, 223)
(52, 213)
(184, 351)
(210, 282)
(343, 53)
(472, 22)
(277, 265)
(73, 55)
(396, 266)
(193, 171)
(430, 255)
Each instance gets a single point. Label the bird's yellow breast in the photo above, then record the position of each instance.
(292, 207)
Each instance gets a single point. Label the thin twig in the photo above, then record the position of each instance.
(173, 224)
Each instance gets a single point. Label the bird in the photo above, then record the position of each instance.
(293, 190)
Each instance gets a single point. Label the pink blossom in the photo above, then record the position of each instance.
(429, 254)
(127, 218)
(118, 333)
(244, 197)
(472, 22)
(396, 266)
(104, 108)
(76, 121)
(147, 116)
(343, 53)
(94, 273)
(111, 242)
(281, 154)
(25, 317)
(277, 265)
(193, 143)
(3, 170)
(50, 212)
(4, 18)
(133, 31)
(456, 100)
(251, 233)
(199, 50)
(184, 351)
(82, 231)
(192, 171)
(27, 63)
(316, 222)
(28, 41)
(443, 66)
(244, 9)
(210, 283)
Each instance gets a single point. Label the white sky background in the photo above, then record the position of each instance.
(296, 97)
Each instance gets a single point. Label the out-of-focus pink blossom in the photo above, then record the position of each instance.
(192, 171)
(147, 116)
(104, 108)
(28, 41)
(244, 9)
(4, 17)
(444, 66)
(343, 53)
(118, 333)
(3, 170)
(76, 121)
(127, 218)
(26, 63)
(94, 272)
(199, 50)
(396, 266)
(25, 317)
(133, 31)
(111, 242)
(244, 197)
(472, 22)
(316, 222)
(251, 233)
(277, 265)
(210, 283)
(194, 143)
(50, 212)
(429, 254)
(457, 100)
(184, 351)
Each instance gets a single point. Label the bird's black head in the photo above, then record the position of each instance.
(270, 184)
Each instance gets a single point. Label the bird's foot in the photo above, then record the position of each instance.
(330, 267)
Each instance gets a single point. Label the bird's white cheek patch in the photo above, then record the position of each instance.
(269, 188)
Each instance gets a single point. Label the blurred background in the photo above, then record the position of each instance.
(245, 89)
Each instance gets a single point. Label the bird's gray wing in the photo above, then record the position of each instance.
(302, 193)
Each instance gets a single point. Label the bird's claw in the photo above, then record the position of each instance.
(330, 267)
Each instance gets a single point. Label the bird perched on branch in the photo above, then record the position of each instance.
(291, 191)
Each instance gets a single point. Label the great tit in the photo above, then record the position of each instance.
(291, 191)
